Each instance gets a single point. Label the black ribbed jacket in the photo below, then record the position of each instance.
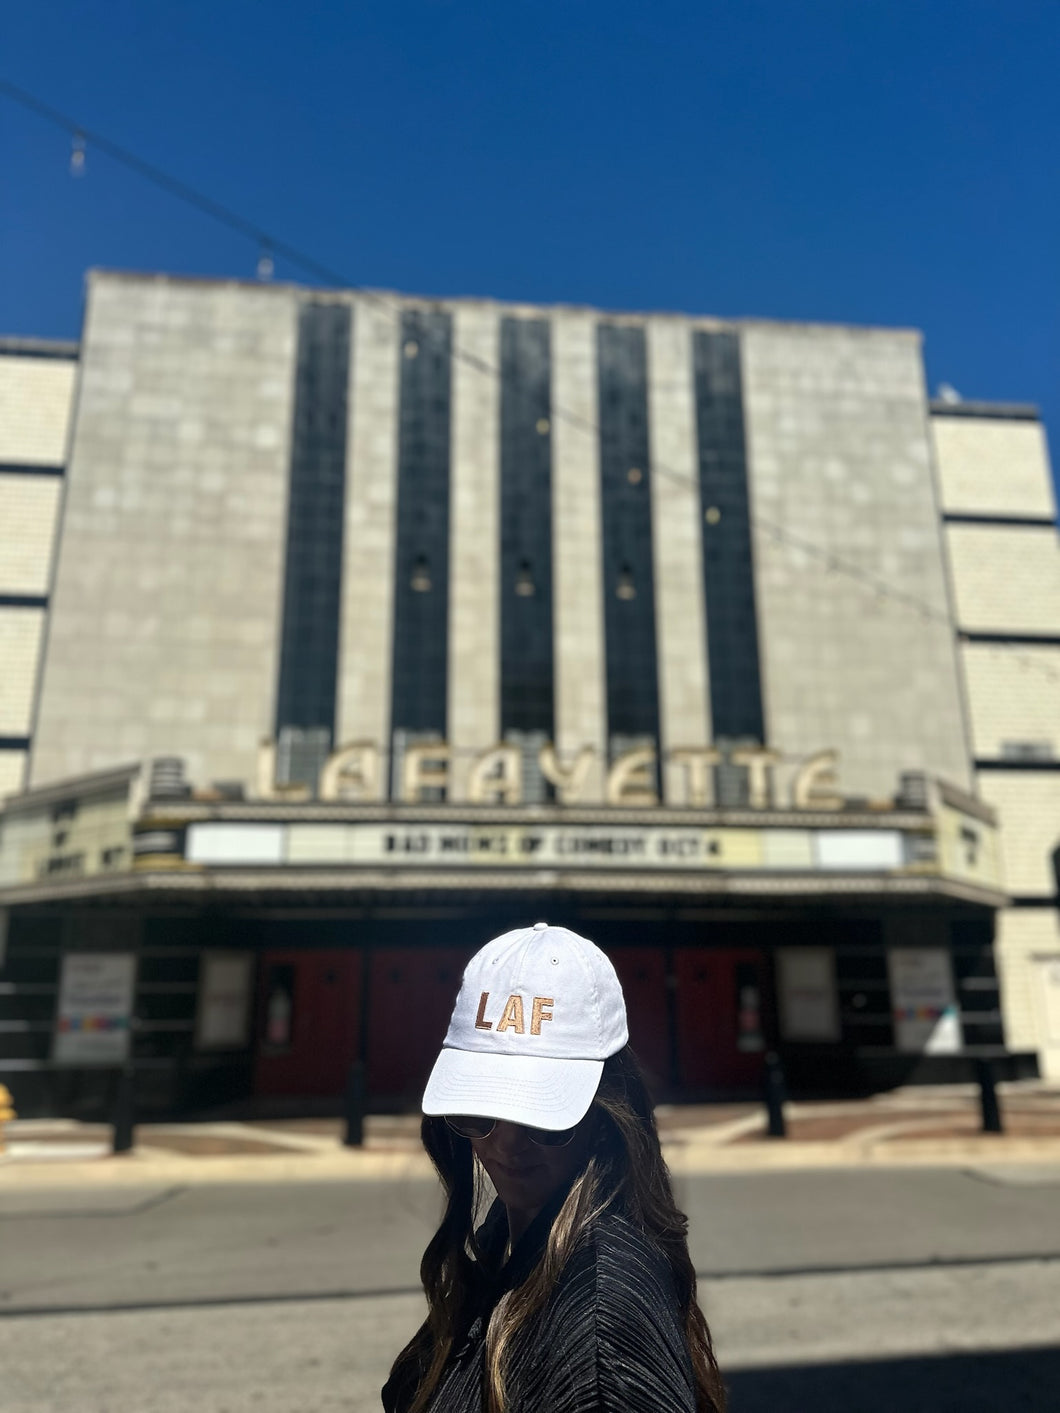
(610, 1340)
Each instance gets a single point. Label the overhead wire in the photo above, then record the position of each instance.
(270, 247)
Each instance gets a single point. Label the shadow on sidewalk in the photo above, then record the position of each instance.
(1016, 1381)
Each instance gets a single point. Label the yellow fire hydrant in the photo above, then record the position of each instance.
(7, 1111)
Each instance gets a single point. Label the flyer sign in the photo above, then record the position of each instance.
(923, 1002)
(222, 1021)
(95, 1007)
(809, 1005)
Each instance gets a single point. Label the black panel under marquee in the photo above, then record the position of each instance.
(527, 669)
(313, 575)
(625, 483)
(421, 588)
(728, 567)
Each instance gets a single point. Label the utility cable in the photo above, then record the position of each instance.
(269, 245)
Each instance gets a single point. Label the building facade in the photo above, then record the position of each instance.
(344, 628)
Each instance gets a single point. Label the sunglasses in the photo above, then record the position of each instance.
(470, 1126)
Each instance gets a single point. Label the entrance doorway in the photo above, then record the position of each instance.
(308, 1021)
(722, 1000)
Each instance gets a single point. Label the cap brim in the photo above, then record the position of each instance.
(522, 1089)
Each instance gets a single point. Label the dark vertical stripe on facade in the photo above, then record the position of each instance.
(421, 588)
(625, 486)
(728, 567)
(526, 527)
(310, 636)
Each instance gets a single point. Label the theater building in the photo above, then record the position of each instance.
(347, 630)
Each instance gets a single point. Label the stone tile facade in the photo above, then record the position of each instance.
(163, 636)
(841, 460)
(473, 707)
(684, 692)
(365, 650)
(580, 699)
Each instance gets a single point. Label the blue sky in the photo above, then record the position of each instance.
(838, 160)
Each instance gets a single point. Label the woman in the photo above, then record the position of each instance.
(577, 1293)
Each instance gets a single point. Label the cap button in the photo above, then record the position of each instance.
(540, 926)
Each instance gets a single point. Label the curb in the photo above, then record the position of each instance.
(686, 1156)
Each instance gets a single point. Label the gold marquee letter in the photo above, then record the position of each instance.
(351, 773)
(631, 780)
(697, 761)
(814, 787)
(759, 761)
(424, 765)
(569, 781)
(496, 777)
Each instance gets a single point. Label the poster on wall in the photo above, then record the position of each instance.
(95, 1007)
(923, 1002)
(222, 1021)
(809, 1008)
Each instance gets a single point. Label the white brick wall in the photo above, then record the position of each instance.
(474, 591)
(1023, 933)
(35, 403)
(28, 509)
(20, 640)
(1006, 578)
(12, 767)
(1028, 805)
(677, 541)
(1011, 695)
(992, 466)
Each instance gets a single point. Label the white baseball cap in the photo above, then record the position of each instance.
(539, 1011)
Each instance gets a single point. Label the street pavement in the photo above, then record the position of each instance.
(887, 1255)
(828, 1290)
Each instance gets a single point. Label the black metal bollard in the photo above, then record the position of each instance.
(775, 1094)
(124, 1109)
(355, 1106)
(991, 1110)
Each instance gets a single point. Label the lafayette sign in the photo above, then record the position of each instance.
(355, 772)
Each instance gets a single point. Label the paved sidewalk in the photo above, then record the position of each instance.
(938, 1125)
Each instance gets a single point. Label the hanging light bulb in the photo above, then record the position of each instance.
(77, 155)
(625, 588)
(266, 264)
(524, 580)
(420, 583)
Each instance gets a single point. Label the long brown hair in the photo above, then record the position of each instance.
(625, 1172)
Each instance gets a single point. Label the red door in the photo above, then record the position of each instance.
(308, 1019)
(642, 972)
(412, 995)
(721, 998)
